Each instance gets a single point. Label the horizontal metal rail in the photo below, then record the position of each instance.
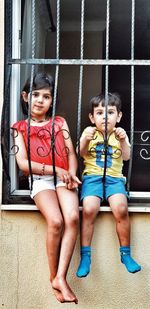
(81, 61)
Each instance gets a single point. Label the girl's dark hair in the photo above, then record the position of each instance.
(40, 80)
(113, 100)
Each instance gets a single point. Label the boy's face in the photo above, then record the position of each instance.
(98, 117)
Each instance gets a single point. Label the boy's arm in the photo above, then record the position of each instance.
(124, 143)
(86, 137)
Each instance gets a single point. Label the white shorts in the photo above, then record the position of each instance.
(41, 183)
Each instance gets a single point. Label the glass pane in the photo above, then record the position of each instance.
(142, 30)
(120, 29)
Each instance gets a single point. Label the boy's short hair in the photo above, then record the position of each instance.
(113, 100)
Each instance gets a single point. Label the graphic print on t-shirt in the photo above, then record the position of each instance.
(100, 155)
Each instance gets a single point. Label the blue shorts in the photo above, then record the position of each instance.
(92, 185)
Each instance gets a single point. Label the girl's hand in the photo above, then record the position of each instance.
(62, 174)
(120, 133)
(74, 183)
(70, 180)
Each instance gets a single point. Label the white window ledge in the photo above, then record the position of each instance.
(145, 207)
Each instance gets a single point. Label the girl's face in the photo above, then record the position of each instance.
(41, 102)
(98, 117)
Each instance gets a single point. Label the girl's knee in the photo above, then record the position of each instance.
(72, 219)
(55, 225)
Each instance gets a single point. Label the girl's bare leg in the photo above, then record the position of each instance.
(69, 205)
(47, 203)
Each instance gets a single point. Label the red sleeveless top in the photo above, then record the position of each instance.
(40, 142)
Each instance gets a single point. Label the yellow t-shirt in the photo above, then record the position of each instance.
(94, 161)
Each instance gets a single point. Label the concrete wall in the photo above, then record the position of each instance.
(24, 274)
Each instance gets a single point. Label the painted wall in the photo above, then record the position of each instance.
(24, 274)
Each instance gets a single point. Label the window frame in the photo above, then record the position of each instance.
(10, 185)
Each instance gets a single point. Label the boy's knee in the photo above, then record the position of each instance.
(89, 213)
(122, 211)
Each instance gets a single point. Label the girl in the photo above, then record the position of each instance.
(58, 204)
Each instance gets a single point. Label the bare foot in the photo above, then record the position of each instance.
(62, 286)
(58, 295)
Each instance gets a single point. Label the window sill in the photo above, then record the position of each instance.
(132, 207)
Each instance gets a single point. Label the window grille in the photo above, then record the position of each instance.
(128, 62)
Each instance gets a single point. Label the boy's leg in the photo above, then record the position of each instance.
(91, 206)
(119, 207)
(131, 265)
(69, 205)
(118, 204)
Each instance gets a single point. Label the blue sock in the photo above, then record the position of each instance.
(84, 266)
(128, 261)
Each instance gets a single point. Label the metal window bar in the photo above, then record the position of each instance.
(115, 62)
(80, 82)
(33, 29)
(5, 110)
(14, 82)
(132, 97)
(55, 90)
(106, 94)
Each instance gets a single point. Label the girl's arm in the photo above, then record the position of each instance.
(37, 168)
(72, 160)
(124, 143)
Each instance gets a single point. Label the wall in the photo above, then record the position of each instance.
(24, 273)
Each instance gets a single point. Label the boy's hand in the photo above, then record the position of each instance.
(89, 133)
(120, 133)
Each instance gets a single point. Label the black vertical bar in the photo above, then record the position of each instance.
(106, 93)
(132, 97)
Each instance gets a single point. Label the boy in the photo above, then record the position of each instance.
(96, 187)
